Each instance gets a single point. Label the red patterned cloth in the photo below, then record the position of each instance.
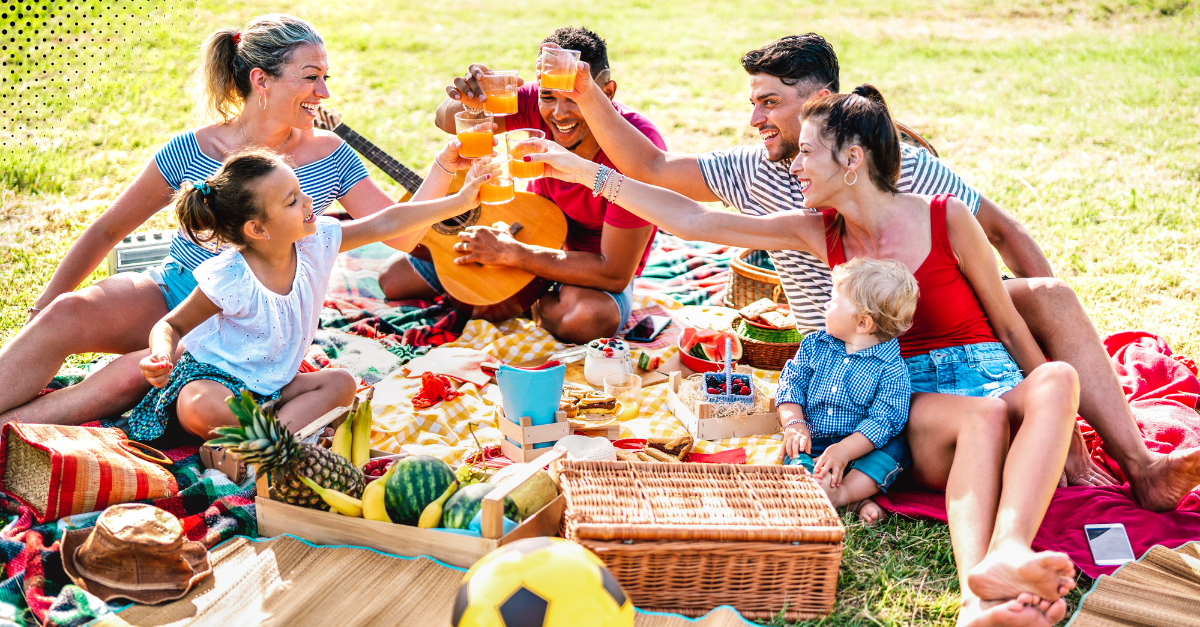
(435, 388)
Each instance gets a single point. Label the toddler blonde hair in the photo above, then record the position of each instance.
(883, 289)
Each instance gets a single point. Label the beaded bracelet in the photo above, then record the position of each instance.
(441, 167)
(616, 189)
(793, 422)
(601, 180)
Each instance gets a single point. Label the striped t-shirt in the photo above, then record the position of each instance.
(742, 177)
(325, 180)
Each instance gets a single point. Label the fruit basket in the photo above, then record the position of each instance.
(686, 538)
(327, 528)
(727, 387)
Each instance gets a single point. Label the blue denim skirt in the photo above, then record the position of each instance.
(984, 369)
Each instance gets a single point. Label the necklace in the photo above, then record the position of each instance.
(247, 140)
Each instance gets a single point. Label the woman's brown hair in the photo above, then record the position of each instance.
(214, 211)
(228, 56)
(860, 117)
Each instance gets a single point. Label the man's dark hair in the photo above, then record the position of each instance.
(592, 48)
(796, 58)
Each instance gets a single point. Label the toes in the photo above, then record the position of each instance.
(1057, 611)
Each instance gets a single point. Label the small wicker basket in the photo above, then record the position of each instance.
(752, 277)
(764, 355)
(687, 538)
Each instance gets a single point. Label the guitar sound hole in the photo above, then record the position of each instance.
(457, 223)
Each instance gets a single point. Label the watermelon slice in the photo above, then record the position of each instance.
(709, 345)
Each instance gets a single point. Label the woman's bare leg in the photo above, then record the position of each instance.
(958, 445)
(113, 316)
(1044, 406)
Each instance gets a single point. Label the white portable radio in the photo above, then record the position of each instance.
(139, 251)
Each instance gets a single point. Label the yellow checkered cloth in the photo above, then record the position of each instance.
(444, 430)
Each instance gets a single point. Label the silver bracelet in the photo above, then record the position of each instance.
(441, 167)
(601, 179)
(32, 310)
(617, 189)
(793, 422)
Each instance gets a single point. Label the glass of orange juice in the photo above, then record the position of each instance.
(626, 388)
(521, 142)
(474, 132)
(558, 67)
(498, 189)
(500, 87)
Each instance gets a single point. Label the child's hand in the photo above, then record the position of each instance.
(157, 369)
(480, 172)
(796, 440)
(449, 159)
(834, 462)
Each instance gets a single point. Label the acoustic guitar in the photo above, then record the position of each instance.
(495, 292)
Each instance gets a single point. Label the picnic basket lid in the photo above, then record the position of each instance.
(710, 502)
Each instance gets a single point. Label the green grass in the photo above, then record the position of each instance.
(1080, 117)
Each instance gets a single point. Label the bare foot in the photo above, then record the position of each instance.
(869, 512)
(1054, 610)
(1169, 478)
(1012, 613)
(1006, 573)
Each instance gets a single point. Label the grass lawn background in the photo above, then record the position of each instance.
(1081, 118)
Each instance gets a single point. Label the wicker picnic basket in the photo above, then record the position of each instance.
(752, 277)
(687, 538)
(767, 350)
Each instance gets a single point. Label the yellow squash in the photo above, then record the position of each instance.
(431, 516)
(373, 497)
(339, 502)
(361, 440)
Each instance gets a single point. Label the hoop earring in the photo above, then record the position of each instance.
(267, 235)
(262, 102)
(855, 177)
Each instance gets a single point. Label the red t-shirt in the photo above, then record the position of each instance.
(586, 215)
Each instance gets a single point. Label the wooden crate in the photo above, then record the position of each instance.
(526, 435)
(330, 529)
(703, 426)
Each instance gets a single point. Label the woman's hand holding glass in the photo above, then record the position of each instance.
(563, 164)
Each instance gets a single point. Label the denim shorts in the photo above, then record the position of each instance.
(984, 369)
(623, 299)
(882, 465)
(175, 281)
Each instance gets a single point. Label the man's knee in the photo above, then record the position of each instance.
(398, 280)
(580, 318)
(1045, 295)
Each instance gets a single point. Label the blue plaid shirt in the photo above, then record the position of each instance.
(868, 391)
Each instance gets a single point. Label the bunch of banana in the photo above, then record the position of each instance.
(352, 438)
(339, 502)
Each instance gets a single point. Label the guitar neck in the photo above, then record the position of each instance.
(407, 178)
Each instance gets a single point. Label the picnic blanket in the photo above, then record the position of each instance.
(36, 590)
(1163, 392)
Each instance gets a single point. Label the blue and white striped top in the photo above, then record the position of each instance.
(325, 180)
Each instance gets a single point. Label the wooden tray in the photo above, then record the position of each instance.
(703, 426)
(330, 529)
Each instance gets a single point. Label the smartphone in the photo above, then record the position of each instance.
(1109, 543)
(648, 328)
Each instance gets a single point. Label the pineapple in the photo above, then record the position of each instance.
(263, 441)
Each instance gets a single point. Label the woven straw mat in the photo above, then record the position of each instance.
(284, 581)
(442, 431)
(1160, 590)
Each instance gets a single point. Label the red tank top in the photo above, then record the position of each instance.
(948, 312)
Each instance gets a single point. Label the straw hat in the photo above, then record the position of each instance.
(135, 552)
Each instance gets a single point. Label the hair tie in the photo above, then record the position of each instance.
(202, 187)
(237, 37)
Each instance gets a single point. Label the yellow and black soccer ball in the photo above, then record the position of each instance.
(541, 582)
